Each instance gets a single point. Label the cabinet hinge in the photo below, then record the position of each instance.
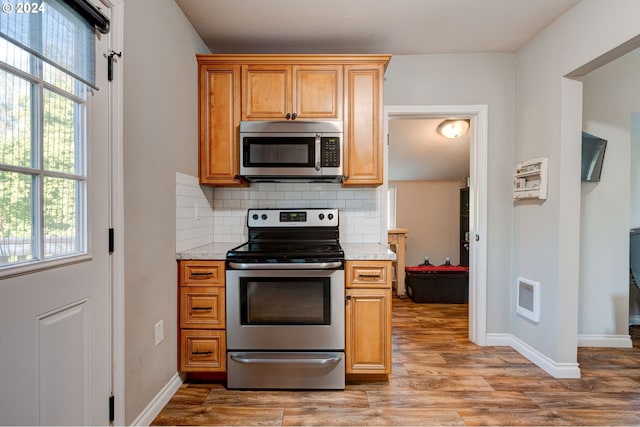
(112, 408)
(111, 241)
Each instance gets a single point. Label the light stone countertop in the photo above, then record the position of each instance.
(352, 251)
(214, 251)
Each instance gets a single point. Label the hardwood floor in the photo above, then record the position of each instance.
(439, 378)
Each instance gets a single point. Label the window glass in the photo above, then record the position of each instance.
(60, 133)
(42, 160)
(14, 56)
(61, 233)
(15, 120)
(16, 219)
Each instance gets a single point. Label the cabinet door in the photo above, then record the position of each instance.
(267, 92)
(318, 91)
(219, 121)
(363, 125)
(368, 274)
(368, 331)
(202, 308)
(203, 350)
(202, 273)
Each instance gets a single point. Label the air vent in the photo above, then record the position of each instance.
(528, 299)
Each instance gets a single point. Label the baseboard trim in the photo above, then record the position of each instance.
(499, 340)
(555, 369)
(590, 340)
(154, 407)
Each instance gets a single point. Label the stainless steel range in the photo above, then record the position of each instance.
(285, 302)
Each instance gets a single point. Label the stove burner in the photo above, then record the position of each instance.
(289, 241)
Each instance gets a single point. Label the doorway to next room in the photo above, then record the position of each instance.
(431, 192)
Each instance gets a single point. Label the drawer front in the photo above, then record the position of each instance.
(202, 273)
(202, 308)
(368, 274)
(203, 351)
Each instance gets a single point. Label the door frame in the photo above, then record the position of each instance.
(116, 215)
(478, 114)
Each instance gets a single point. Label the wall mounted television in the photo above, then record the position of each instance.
(593, 149)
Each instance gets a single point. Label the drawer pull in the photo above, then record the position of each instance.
(369, 274)
(201, 308)
(201, 353)
(206, 274)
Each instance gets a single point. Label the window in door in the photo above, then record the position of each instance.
(44, 58)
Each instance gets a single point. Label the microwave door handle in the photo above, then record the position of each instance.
(318, 139)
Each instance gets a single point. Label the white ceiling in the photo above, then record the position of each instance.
(397, 27)
(418, 152)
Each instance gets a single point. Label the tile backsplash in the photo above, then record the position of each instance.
(194, 213)
(206, 215)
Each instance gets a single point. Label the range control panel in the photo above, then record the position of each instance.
(292, 217)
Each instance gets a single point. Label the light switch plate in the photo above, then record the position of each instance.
(159, 332)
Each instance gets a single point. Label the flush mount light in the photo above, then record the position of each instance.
(453, 128)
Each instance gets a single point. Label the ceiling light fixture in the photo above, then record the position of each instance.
(453, 128)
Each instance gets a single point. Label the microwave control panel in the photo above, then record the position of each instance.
(330, 152)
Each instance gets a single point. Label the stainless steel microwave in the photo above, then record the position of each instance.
(291, 151)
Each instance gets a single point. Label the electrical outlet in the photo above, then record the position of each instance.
(159, 332)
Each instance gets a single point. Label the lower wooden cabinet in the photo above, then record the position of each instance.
(203, 350)
(368, 317)
(202, 343)
(202, 307)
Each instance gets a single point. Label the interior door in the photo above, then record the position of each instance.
(55, 334)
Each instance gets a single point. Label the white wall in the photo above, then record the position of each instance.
(430, 210)
(611, 94)
(634, 218)
(473, 79)
(548, 123)
(160, 138)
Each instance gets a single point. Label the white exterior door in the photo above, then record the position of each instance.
(55, 333)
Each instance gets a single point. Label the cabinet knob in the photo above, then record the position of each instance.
(288, 116)
(347, 297)
(293, 116)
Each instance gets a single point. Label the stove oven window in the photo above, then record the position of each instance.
(285, 301)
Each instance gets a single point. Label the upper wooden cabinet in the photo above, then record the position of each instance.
(346, 88)
(283, 92)
(363, 122)
(219, 120)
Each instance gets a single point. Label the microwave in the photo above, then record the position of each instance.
(303, 151)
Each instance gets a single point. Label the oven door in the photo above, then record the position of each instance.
(296, 310)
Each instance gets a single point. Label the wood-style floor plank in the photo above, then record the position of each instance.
(439, 378)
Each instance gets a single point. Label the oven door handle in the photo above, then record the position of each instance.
(248, 360)
(286, 265)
